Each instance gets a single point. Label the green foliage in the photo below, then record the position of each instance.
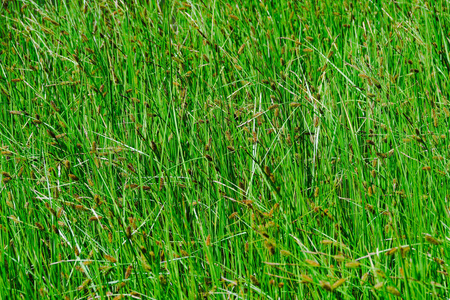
(224, 150)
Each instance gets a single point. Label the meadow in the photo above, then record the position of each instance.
(224, 149)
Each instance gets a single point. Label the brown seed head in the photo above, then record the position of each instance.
(94, 147)
(66, 164)
(234, 17)
(95, 218)
(326, 286)
(84, 284)
(316, 192)
(110, 258)
(128, 232)
(305, 278)
(254, 280)
(352, 264)
(39, 226)
(128, 272)
(73, 177)
(432, 240)
(312, 263)
(364, 278)
(51, 133)
(338, 283)
(6, 153)
(233, 215)
(392, 290)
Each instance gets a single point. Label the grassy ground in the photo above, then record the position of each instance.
(250, 150)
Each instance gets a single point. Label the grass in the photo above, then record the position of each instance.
(251, 150)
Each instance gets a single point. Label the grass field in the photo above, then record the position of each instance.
(242, 150)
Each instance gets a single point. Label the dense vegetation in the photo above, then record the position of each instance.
(227, 150)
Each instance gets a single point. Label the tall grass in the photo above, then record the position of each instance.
(235, 150)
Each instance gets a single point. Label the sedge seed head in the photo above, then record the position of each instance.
(326, 286)
(305, 278)
(394, 291)
(364, 278)
(233, 17)
(338, 283)
(66, 164)
(84, 284)
(110, 258)
(392, 251)
(128, 271)
(73, 177)
(233, 215)
(316, 192)
(285, 253)
(95, 218)
(327, 242)
(241, 49)
(379, 285)
(312, 263)
(51, 134)
(39, 226)
(352, 264)
(432, 240)
(254, 280)
(404, 250)
(128, 232)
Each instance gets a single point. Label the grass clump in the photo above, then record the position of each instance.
(210, 149)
